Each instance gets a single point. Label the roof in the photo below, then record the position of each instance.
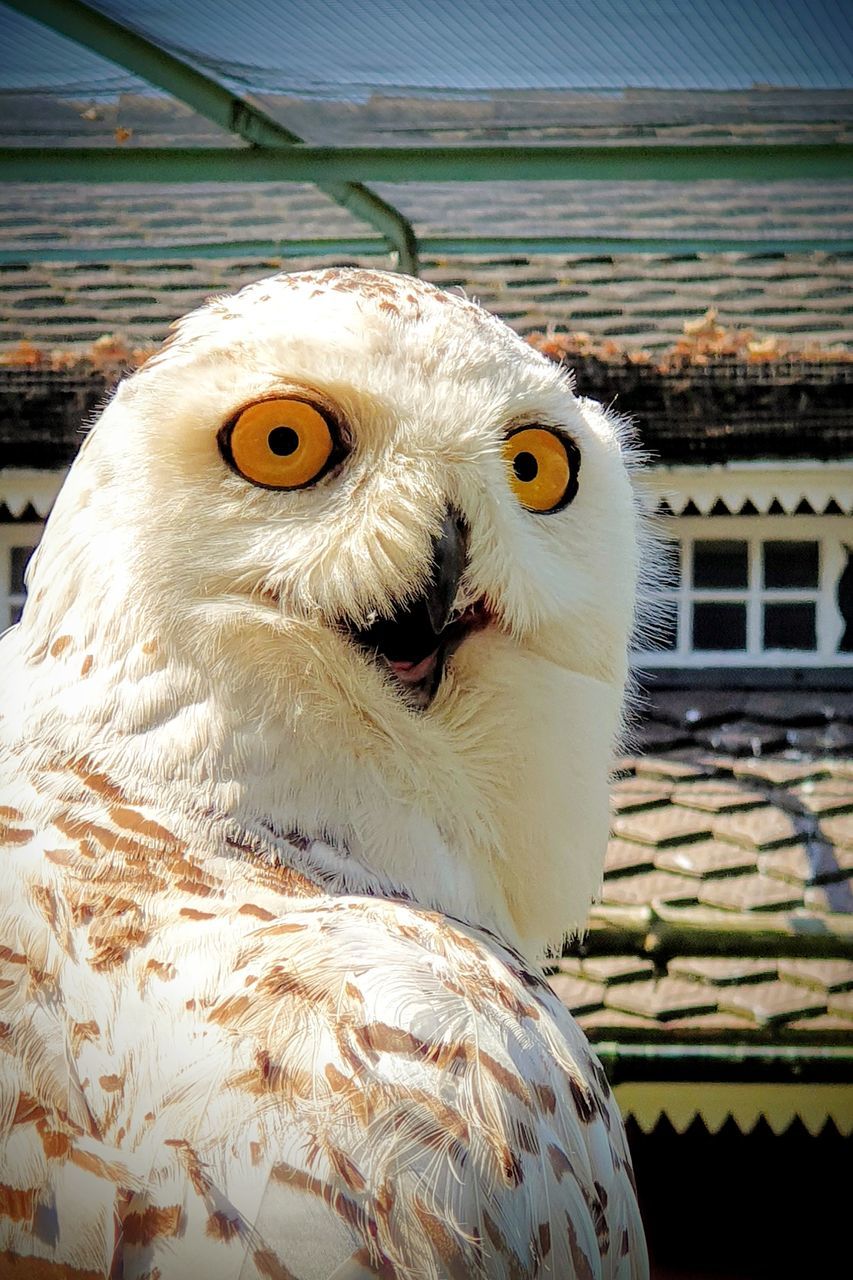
(79, 248)
(531, 88)
(719, 411)
(78, 261)
(641, 301)
(724, 932)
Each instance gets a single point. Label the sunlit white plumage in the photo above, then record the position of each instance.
(272, 913)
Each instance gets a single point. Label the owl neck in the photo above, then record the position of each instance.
(491, 808)
(225, 765)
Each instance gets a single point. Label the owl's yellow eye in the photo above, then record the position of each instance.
(283, 443)
(543, 468)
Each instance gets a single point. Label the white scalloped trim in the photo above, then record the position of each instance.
(787, 483)
(20, 487)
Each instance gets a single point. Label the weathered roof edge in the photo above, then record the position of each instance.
(720, 411)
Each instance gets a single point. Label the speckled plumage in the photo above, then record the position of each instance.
(269, 1003)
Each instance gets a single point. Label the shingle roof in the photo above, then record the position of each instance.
(642, 299)
(726, 912)
(716, 412)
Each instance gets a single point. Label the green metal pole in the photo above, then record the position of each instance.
(112, 40)
(329, 165)
(431, 247)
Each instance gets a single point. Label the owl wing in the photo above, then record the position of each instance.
(214, 1066)
(447, 1108)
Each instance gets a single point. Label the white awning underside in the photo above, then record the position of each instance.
(26, 487)
(787, 485)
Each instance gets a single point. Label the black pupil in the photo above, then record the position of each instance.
(525, 466)
(283, 441)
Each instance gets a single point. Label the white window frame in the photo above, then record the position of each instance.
(830, 532)
(14, 534)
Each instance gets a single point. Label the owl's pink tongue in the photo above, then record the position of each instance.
(415, 640)
(414, 672)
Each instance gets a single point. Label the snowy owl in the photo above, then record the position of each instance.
(306, 735)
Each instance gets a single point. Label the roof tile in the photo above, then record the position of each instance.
(639, 793)
(767, 1002)
(606, 1024)
(610, 969)
(793, 707)
(663, 998)
(823, 1027)
(823, 975)
(625, 856)
(748, 893)
(657, 767)
(716, 797)
(828, 797)
(663, 826)
(654, 736)
(769, 884)
(706, 858)
(629, 891)
(744, 738)
(839, 829)
(722, 971)
(763, 828)
(707, 1025)
(780, 772)
(832, 897)
(576, 994)
(811, 863)
(840, 1004)
(697, 707)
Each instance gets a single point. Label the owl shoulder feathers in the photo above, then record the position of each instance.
(240, 1072)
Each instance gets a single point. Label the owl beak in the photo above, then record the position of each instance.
(414, 642)
(449, 554)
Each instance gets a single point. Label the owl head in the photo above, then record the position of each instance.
(349, 557)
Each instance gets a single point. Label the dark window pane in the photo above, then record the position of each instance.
(791, 564)
(789, 626)
(15, 612)
(674, 561)
(720, 564)
(719, 626)
(18, 563)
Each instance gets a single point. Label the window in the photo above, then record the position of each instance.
(766, 591)
(17, 544)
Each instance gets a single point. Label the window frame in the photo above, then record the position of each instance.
(830, 532)
(13, 534)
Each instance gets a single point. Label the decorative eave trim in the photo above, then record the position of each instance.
(763, 484)
(24, 487)
(779, 1104)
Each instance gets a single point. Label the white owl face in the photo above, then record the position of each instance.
(312, 442)
(378, 522)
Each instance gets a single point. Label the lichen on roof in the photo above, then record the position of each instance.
(704, 341)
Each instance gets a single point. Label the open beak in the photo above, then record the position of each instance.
(415, 641)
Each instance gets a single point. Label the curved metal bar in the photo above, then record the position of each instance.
(117, 43)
